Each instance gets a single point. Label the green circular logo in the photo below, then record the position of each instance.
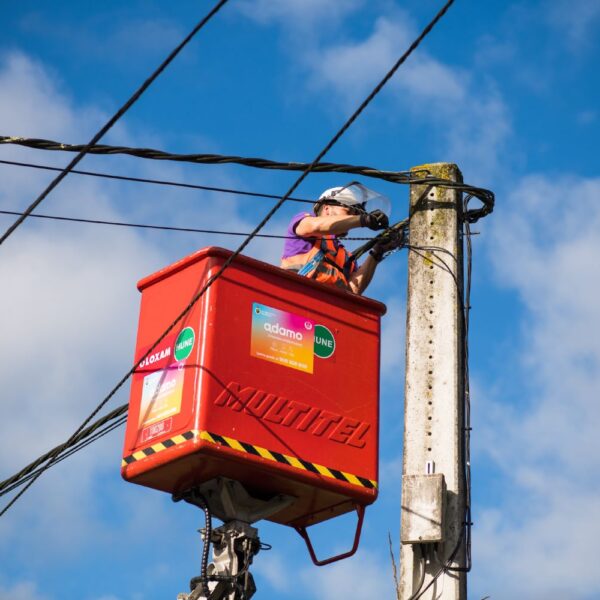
(324, 342)
(184, 343)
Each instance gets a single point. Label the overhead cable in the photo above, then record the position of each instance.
(108, 125)
(64, 447)
(207, 159)
(160, 227)
(403, 177)
(191, 186)
(81, 436)
(87, 437)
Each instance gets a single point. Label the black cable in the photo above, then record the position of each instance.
(465, 306)
(159, 227)
(209, 159)
(466, 438)
(180, 184)
(466, 412)
(84, 149)
(242, 246)
(82, 435)
(73, 450)
(465, 425)
(444, 567)
(402, 177)
(206, 545)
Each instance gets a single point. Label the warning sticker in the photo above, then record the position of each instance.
(161, 395)
(156, 429)
(283, 338)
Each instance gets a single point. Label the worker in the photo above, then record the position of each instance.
(313, 248)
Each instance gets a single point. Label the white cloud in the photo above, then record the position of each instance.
(70, 304)
(69, 297)
(70, 308)
(350, 69)
(575, 18)
(275, 571)
(471, 115)
(363, 576)
(26, 87)
(300, 14)
(545, 243)
(586, 117)
(22, 590)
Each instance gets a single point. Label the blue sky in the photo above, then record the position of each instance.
(505, 89)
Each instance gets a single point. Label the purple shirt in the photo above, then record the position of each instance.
(294, 244)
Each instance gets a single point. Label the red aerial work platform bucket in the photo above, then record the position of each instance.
(271, 380)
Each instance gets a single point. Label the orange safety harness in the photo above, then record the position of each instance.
(327, 262)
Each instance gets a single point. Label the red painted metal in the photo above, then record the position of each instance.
(360, 512)
(261, 407)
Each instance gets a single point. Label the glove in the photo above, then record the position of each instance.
(377, 254)
(375, 220)
(389, 243)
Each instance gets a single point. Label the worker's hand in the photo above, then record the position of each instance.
(374, 220)
(389, 243)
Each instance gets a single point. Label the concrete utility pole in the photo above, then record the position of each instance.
(433, 494)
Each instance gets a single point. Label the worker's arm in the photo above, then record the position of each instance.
(334, 225)
(360, 279)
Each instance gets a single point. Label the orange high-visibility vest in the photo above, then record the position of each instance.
(327, 262)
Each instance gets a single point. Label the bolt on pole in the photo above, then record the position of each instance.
(433, 484)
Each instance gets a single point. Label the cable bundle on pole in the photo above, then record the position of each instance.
(402, 177)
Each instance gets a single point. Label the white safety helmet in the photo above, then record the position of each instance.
(354, 195)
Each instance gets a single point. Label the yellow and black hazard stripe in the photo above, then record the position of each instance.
(159, 447)
(284, 459)
(255, 450)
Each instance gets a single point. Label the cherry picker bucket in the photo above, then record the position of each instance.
(271, 380)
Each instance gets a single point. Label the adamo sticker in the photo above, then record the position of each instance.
(282, 337)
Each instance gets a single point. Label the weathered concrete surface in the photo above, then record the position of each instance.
(423, 504)
(433, 398)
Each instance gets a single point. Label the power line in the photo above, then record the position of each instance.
(141, 225)
(180, 184)
(83, 434)
(159, 227)
(64, 447)
(84, 149)
(37, 466)
(403, 177)
(208, 159)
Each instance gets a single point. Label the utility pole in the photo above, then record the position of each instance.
(433, 483)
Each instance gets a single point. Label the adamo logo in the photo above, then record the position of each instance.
(184, 343)
(277, 329)
(324, 342)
